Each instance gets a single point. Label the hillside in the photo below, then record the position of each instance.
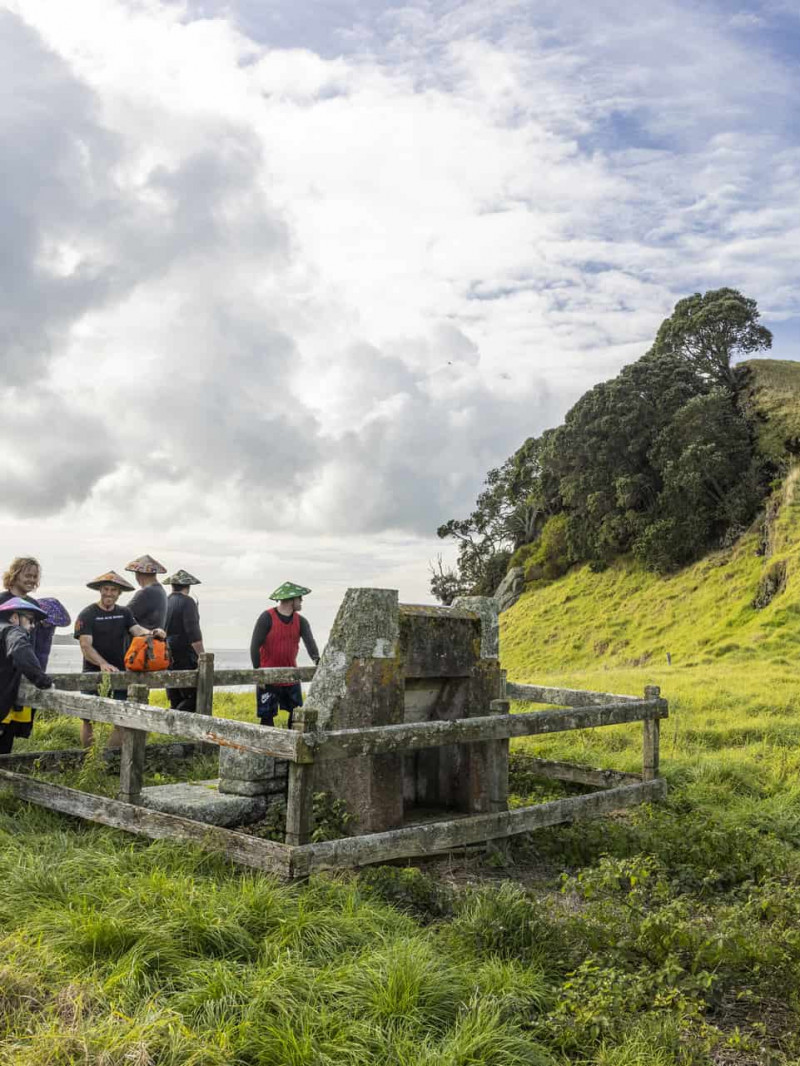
(628, 617)
(774, 394)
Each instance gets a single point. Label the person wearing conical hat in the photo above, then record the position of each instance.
(17, 660)
(56, 617)
(275, 642)
(149, 605)
(103, 630)
(184, 637)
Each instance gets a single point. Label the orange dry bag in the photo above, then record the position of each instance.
(148, 653)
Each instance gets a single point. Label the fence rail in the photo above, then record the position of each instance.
(184, 678)
(380, 740)
(306, 744)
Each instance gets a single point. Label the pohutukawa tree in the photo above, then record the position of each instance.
(659, 460)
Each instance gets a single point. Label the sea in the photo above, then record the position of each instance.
(66, 659)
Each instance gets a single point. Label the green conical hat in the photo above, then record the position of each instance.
(182, 577)
(289, 591)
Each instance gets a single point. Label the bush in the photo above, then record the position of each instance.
(548, 557)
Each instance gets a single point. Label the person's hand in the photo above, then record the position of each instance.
(107, 668)
(160, 633)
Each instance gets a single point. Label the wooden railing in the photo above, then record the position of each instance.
(305, 744)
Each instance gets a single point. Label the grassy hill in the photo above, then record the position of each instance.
(627, 617)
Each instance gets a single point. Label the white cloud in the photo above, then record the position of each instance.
(747, 20)
(285, 296)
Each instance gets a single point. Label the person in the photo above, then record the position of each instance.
(275, 641)
(149, 605)
(21, 579)
(102, 629)
(184, 637)
(56, 617)
(17, 660)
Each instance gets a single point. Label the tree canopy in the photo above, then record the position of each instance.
(659, 461)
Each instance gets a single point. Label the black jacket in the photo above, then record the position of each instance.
(17, 660)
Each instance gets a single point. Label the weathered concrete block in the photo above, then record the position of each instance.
(365, 628)
(232, 786)
(438, 641)
(202, 802)
(245, 765)
(488, 611)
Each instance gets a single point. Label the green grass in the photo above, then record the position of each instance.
(774, 392)
(666, 936)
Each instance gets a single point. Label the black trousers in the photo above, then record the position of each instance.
(183, 699)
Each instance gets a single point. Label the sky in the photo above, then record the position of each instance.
(281, 280)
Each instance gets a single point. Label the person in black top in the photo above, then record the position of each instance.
(17, 660)
(149, 605)
(103, 629)
(184, 637)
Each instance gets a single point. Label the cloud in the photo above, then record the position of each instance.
(326, 276)
(747, 20)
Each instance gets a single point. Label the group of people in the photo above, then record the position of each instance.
(105, 628)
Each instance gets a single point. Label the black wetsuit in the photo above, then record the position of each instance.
(183, 630)
(17, 660)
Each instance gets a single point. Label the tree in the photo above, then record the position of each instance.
(659, 460)
(710, 477)
(446, 583)
(600, 457)
(508, 512)
(708, 331)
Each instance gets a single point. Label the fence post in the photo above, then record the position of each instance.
(497, 763)
(300, 791)
(205, 683)
(131, 759)
(650, 738)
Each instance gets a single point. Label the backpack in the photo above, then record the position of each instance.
(147, 654)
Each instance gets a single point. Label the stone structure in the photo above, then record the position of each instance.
(388, 663)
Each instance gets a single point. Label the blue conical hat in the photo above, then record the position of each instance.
(17, 603)
(289, 591)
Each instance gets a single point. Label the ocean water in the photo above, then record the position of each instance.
(66, 659)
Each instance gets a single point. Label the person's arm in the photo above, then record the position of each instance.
(21, 651)
(92, 656)
(308, 640)
(139, 631)
(262, 628)
(191, 625)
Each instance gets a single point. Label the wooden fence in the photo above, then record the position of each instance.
(306, 744)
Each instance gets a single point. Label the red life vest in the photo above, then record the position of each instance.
(282, 642)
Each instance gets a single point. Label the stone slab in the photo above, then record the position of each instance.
(202, 802)
(233, 786)
(438, 645)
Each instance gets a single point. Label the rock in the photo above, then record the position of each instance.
(201, 802)
(510, 588)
